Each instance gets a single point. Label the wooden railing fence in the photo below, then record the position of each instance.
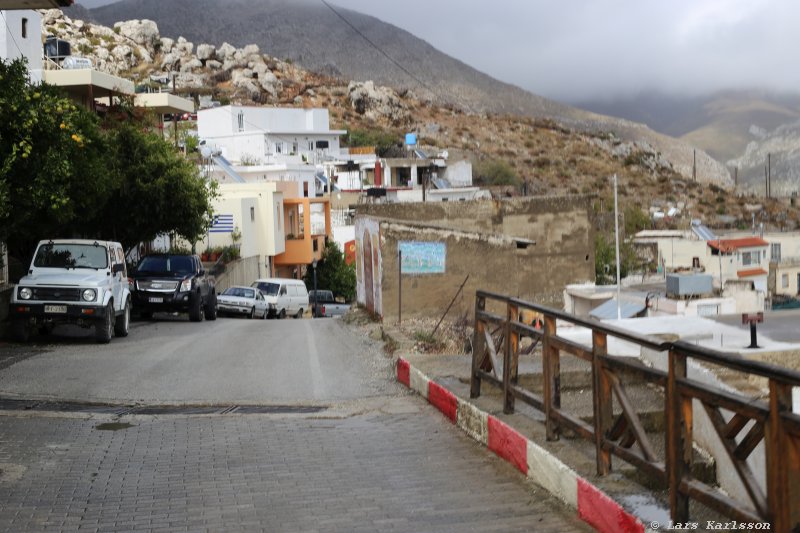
(741, 422)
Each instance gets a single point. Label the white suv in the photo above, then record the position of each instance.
(73, 281)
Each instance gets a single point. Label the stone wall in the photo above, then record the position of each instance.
(530, 248)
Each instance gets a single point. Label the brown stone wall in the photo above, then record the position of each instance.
(552, 221)
(492, 263)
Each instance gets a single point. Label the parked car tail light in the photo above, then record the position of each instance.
(89, 295)
(25, 293)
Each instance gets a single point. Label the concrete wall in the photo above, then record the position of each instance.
(490, 241)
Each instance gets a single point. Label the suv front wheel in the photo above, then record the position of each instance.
(105, 328)
(122, 323)
(196, 311)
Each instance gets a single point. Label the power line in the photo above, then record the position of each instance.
(11, 33)
(379, 49)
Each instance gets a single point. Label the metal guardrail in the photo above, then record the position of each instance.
(496, 345)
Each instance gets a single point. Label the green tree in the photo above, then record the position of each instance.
(158, 190)
(386, 143)
(53, 168)
(64, 173)
(605, 262)
(333, 273)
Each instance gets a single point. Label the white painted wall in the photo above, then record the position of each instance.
(458, 173)
(13, 45)
(262, 233)
(268, 134)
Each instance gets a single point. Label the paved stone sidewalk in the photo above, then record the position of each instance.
(399, 467)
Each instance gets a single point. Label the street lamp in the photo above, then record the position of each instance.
(314, 266)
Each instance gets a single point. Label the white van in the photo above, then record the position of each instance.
(284, 296)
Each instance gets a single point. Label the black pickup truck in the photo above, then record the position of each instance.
(173, 282)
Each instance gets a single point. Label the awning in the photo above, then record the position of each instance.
(749, 273)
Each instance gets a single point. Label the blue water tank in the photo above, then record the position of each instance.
(411, 139)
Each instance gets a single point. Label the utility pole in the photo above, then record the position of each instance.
(769, 175)
(174, 115)
(616, 238)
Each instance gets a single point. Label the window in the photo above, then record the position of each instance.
(322, 144)
(295, 147)
(278, 148)
(784, 280)
(750, 258)
(240, 118)
(252, 214)
(24, 29)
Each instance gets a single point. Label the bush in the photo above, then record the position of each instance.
(496, 172)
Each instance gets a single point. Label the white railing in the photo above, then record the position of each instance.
(239, 272)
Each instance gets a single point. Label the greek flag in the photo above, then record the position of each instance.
(222, 224)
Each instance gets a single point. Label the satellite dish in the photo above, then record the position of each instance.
(205, 151)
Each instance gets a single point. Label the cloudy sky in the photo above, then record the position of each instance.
(573, 50)
(577, 49)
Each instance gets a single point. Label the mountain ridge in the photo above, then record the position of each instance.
(291, 30)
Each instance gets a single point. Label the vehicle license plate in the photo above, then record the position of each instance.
(156, 300)
(55, 308)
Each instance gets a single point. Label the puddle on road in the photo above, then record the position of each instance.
(113, 426)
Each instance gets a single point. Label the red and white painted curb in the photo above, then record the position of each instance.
(540, 466)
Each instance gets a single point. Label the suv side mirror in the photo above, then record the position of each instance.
(202, 272)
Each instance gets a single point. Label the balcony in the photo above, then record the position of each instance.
(305, 239)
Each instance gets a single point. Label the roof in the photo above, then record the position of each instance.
(608, 310)
(750, 272)
(164, 103)
(730, 245)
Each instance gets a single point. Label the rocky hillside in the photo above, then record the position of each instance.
(738, 128)
(309, 34)
(541, 155)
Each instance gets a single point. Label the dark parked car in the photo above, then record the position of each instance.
(173, 282)
(324, 304)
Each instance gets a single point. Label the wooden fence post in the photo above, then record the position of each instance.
(510, 357)
(478, 347)
(679, 437)
(603, 413)
(551, 368)
(783, 463)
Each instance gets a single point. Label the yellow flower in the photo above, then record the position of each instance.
(62, 126)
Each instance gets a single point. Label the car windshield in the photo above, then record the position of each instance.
(166, 264)
(71, 255)
(241, 292)
(270, 289)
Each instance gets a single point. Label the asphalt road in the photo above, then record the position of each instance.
(172, 360)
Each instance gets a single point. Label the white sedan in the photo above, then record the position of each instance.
(246, 301)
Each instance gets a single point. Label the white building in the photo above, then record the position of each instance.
(21, 36)
(269, 135)
(254, 144)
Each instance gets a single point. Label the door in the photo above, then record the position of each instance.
(284, 300)
(119, 278)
